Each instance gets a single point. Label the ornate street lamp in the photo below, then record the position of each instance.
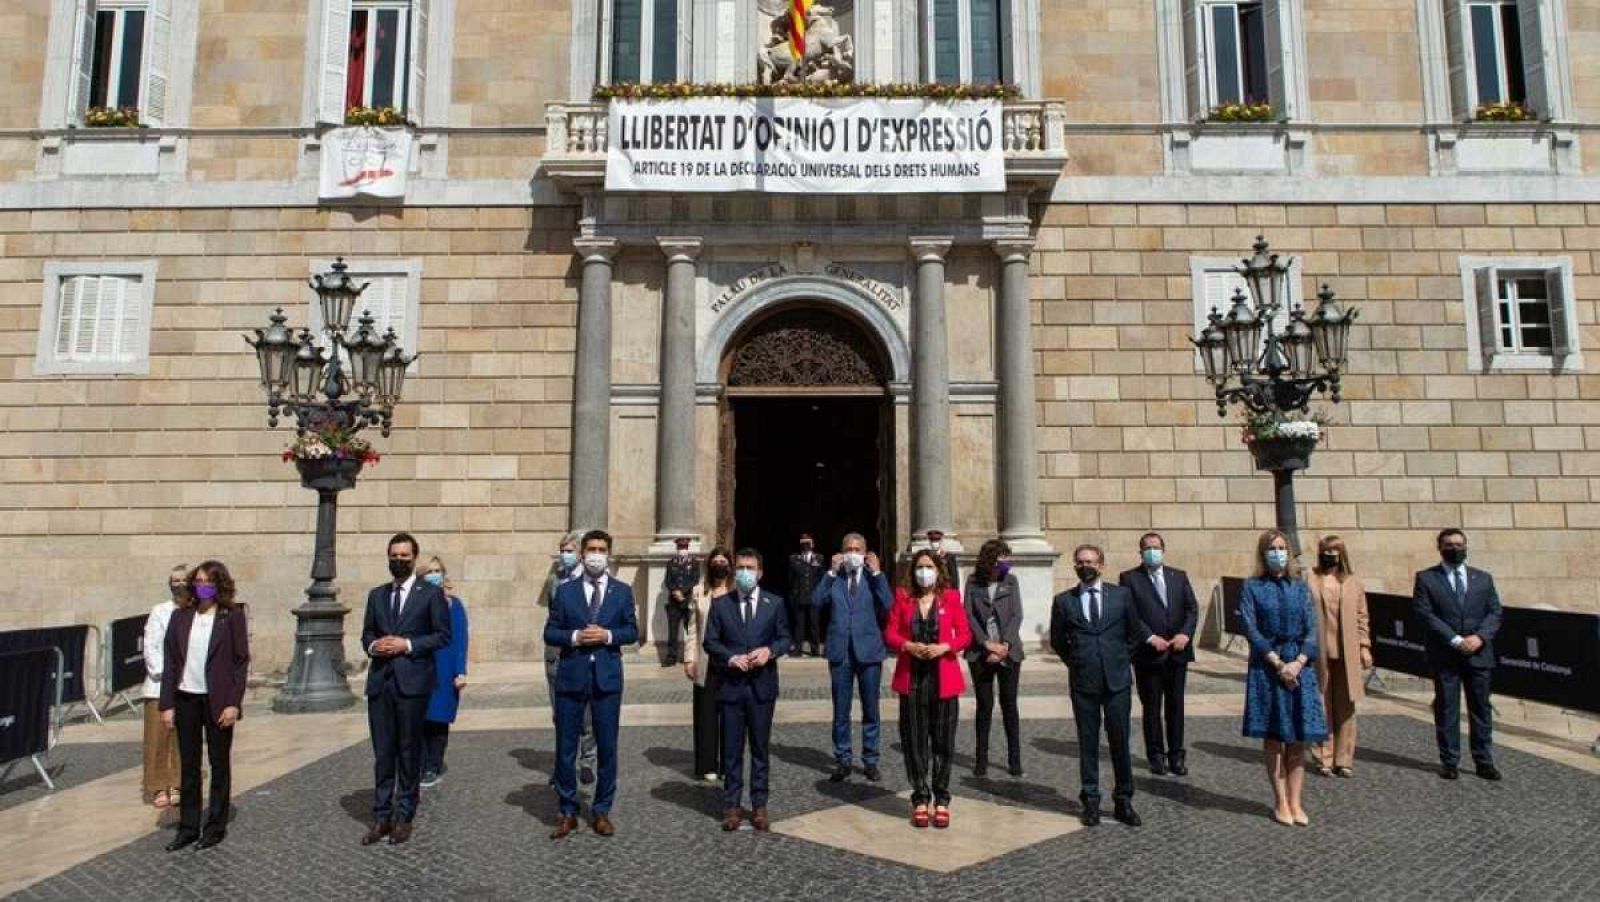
(1274, 375)
(312, 383)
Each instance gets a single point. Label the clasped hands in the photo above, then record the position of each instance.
(1176, 643)
(1470, 645)
(593, 634)
(389, 647)
(1289, 672)
(998, 651)
(925, 651)
(751, 660)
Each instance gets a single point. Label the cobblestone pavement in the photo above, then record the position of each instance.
(1394, 832)
(69, 765)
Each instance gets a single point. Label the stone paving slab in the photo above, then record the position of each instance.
(69, 765)
(1394, 832)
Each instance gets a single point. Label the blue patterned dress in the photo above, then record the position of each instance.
(1278, 616)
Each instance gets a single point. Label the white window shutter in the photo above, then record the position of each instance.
(67, 316)
(113, 304)
(86, 320)
(157, 62)
(82, 60)
(1194, 60)
(1563, 331)
(133, 318)
(1279, 68)
(335, 61)
(1487, 281)
(417, 90)
(1537, 67)
(396, 306)
(1458, 52)
(1219, 292)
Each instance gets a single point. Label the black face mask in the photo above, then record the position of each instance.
(1330, 560)
(719, 572)
(1086, 574)
(400, 569)
(1455, 557)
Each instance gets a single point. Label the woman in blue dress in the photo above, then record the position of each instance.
(1282, 704)
(450, 676)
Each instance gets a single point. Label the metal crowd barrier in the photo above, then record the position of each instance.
(57, 722)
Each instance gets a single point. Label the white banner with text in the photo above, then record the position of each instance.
(800, 145)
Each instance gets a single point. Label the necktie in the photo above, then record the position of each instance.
(749, 609)
(1094, 606)
(394, 605)
(1161, 587)
(1459, 584)
(595, 597)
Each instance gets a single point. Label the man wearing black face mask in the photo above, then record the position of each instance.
(1460, 611)
(406, 621)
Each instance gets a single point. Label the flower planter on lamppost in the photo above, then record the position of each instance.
(1274, 377)
(330, 407)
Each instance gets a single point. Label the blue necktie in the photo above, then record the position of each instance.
(1459, 585)
(595, 598)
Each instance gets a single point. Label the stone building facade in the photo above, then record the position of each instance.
(725, 366)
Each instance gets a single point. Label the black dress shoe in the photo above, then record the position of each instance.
(1178, 768)
(1015, 770)
(872, 773)
(841, 773)
(981, 769)
(1488, 772)
(1158, 765)
(1449, 771)
(208, 841)
(1127, 815)
(181, 841)
(1090, 817)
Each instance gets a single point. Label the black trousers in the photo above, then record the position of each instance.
(1161, 702)
(805, 624)
(1448, 682)
(435, 738)
(984, 677)
(707, 727)
(677, 615)
(1116, 709)
(396, 723)
(928, 735)
(192, 716)
(744, 719)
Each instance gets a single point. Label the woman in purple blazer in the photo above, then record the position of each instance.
(202, 687)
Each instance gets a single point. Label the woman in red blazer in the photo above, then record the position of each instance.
(928, 630)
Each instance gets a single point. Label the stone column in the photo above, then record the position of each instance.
(930, 391)
(591, 387)
(1019, 484)
(675, 444)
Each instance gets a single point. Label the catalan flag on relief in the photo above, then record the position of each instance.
(797, 26)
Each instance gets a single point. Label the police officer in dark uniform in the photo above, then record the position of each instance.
(683, 571)
(805, 620)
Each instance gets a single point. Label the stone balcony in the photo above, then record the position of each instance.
(1033, 133)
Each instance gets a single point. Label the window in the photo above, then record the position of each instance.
(1501, 52)
(96, 318)
(644, 41)
(1213, 281)
(1497, 52)
(122, 57)
(1521, 314)
(374, 54)
(969, 40)
(1229, 52)
(393, 296)
(1235, 52)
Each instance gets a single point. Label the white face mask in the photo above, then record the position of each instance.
(927, 576)
(595, 563)
(854, 560)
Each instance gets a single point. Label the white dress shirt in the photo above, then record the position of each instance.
(590, 586)
(388, 599)
(194, 662)
(155, 640)
(1451, 574)
(1083, 598)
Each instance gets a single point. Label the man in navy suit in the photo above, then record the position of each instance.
(590, 620)
(1167, 607)
(856, 591)
(1460, 613)
(406, 621)
(1094, 629)
(746, 634)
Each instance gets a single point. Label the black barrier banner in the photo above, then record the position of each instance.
(1549, 656)
(27, 692)
(127, 653)
(72, 640)
(1397, 634)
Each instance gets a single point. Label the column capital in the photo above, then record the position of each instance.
(595, 249)
(930, 248)
(1014, 250)
(680, 247)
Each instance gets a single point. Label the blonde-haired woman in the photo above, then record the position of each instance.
(160, 743)
(1282, 706)
(1346, 645)
(450, 677)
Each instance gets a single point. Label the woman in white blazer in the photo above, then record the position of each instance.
(160, 743)
(697, 666)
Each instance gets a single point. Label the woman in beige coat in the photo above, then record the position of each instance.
(1346, 642)
(707, 735)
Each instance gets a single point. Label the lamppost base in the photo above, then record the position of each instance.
(317, 679)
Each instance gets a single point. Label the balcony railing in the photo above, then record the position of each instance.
(1032, 135)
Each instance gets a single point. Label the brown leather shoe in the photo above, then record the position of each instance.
(731, 819)
(377, 833)
(564, 827)
(400, 833)
(602, 826)
(758, 818)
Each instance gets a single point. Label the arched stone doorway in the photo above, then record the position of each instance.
(806, 433)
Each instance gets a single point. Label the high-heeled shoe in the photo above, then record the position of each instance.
(919, 817)
(1301, 820)
(941, 817)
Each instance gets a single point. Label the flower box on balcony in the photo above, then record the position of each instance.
(1504, 112)
(111, 117)
(1241, 112)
